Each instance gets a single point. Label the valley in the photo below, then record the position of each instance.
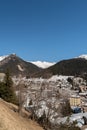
(50, 93)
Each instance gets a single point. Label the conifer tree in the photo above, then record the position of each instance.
(6, 89)
(7, 79)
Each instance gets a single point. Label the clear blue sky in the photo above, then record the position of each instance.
(46, 30)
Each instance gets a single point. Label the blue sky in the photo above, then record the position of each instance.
(46, 30)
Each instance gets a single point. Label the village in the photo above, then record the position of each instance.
(48, 95)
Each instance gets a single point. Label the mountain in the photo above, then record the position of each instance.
(74, 67)
(17, 66)
(84, 56)
(70, 67)
(43, 64)
(3, 57)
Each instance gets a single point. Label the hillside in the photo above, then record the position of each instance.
(76, 66)
(73, 67)
(10, 120)
(18, 66)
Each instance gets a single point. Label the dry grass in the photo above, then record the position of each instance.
(10, 120)
(84, 127)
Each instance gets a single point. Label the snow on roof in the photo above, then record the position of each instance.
(83, 94)
(59, 77)
(74, 117)
(75, 96)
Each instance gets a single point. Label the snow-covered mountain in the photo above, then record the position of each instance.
(17, 65)
(83, 56)
(43, 64)
(40, 64)
(3, 57)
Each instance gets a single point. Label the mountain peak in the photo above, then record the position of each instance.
(5, 56)
(17, 65)
(84, 56)
(14, 54)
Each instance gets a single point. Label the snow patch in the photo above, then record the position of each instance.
(20, 68)
(3, 57)
(43, 64)
(84, 56)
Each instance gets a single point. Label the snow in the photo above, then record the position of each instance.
(58, 77)
(75, 117)
(43, 64)
(3, 57)
(20, 68)
(83, 56)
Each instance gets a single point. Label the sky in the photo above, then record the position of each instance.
(45, 30)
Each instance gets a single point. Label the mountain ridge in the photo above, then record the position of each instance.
(40, 64)
(18, 66)
(75, 66)
(71, 67)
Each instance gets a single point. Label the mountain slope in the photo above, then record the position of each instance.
(3, 57)
(18, 66)
(10, 120)
(73, 67)
(76, 66)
